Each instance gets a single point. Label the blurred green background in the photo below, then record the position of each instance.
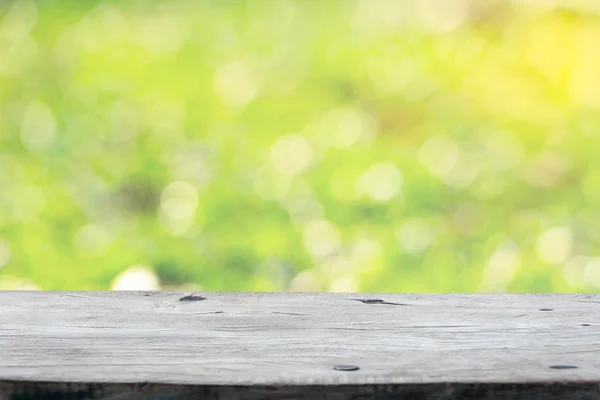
(310, 145)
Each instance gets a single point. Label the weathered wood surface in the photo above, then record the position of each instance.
(163, 345)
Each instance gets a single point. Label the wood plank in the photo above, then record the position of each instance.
(55, 391)
(281, 345)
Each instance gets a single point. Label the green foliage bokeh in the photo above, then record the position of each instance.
(266, 145)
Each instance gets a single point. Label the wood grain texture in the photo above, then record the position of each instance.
(129, 345)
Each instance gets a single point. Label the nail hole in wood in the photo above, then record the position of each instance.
(346, 368)
(563, 367)
(192, 297)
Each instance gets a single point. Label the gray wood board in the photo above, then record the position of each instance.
(297, 339)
